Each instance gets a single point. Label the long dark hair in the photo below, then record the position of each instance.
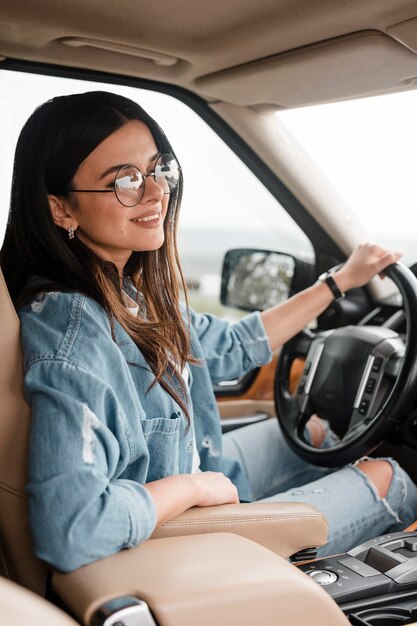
(55, 140)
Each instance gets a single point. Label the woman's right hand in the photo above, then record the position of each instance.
(173, 495)
(213, 488)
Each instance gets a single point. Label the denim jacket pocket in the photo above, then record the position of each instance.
(162, 436)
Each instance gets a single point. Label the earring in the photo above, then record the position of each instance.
(71, 232)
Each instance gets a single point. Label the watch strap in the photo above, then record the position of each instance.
(332, 285)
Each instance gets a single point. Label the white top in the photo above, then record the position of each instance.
(133, 307)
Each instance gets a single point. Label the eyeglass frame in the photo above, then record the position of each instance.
(144, 177)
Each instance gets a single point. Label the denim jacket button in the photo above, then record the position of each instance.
(189, 446)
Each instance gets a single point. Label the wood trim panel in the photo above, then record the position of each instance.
(262, 387)
(412, 527)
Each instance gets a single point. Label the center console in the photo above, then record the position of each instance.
(375, 583)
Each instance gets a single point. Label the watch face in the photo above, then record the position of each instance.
(322, 277)
(331, 271)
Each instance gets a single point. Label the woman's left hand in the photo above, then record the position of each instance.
(367, 260)
(285, 320)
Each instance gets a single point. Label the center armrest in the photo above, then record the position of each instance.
(283, 527)
(219, 579)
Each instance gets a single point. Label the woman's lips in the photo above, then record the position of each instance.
(149, 220)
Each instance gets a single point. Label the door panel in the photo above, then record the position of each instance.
(257, 402)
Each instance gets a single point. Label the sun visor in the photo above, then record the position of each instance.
(405, 33)
(363, 64)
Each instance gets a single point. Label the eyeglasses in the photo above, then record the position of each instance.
(129, 182)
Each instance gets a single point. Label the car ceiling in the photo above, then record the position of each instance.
(268, 53)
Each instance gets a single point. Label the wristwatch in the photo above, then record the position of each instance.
(327, 278)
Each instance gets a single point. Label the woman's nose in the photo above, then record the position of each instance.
(152, 189)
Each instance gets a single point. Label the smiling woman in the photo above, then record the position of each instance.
(125, 431)
(112, 226)
(226, 215)
(86, 137)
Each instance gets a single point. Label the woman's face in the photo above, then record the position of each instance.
(112, 230)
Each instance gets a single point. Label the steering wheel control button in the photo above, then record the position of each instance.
(370, 385)
(323, 577)
(301, 386)
(359, 567)
(363, 407)
(377, 364)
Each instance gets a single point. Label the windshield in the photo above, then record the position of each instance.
(367, 148)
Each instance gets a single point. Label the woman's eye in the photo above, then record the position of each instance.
(152, 167)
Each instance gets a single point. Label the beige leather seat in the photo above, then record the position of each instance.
(283, 528)
(16, 555)
(20, 607)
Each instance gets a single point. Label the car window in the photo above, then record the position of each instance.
(224, 206)
(367, 148)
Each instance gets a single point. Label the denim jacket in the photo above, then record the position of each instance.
(98, 433)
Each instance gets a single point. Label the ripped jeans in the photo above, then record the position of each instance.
(346, 496)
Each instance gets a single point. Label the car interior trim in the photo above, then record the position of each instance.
(405, 33)
(250, 577)
(313, 368)
(156, 57)
(307, 76)
(129, 611)
(364, 380)
(269, 29)
(284, 528)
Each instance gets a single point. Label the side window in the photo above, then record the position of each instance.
(224, 205)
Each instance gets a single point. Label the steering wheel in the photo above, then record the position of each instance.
(362, 379)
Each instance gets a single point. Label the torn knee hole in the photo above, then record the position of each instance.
(379, 472)
(316, 430)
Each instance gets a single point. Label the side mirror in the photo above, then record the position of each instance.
(254, 280)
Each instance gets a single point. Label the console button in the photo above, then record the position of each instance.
(360, 568)
(323, 577)
(411, 544)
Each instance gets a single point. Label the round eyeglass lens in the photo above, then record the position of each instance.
(129, 185)
(130, 182)
(167, 172)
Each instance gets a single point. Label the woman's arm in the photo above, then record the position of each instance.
(285, 320)
(175, 494)
(75, 464)
(81, 445)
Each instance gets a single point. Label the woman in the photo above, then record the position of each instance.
(125, 429)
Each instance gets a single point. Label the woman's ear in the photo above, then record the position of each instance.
(61, 213)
